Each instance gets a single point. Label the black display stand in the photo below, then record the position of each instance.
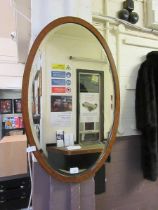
(15, 193)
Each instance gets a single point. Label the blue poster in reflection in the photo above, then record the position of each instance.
(68, 82)
(58, 74)
(68, 74)
(57, 82)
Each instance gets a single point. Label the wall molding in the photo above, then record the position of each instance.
(138, 43)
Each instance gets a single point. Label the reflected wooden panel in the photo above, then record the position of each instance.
(86, 149)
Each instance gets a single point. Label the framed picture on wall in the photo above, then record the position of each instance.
(17, 105)
(6, 106)
(90, 106)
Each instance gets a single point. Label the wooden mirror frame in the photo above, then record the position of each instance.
(25, 109)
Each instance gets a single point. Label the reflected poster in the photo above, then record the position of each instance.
(89, 106)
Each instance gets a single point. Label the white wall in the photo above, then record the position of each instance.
(43, 12)
(11, 71)
(7, 22)
(129, 47)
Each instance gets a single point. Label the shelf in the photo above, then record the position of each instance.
(9, 129)
(85, 149)
(6, 131)
(13, 129)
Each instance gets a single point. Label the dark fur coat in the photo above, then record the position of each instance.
(147, 114)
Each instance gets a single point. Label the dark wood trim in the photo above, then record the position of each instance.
(39, 156)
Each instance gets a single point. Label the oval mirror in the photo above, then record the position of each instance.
(70, 99)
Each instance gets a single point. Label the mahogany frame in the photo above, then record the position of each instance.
(25, 109)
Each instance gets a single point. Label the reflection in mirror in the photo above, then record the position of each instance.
(90, 105)
(71, 99)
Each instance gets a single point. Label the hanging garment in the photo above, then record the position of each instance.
(147, 114)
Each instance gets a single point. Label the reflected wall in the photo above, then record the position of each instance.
(71, 96)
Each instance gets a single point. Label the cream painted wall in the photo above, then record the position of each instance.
(129, 47)
(57, 51)
(43, 12)
(10, 70)
(7, 20)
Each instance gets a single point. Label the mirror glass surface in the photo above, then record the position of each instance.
(71, 99)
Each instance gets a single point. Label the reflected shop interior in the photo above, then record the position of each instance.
(71, 99)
